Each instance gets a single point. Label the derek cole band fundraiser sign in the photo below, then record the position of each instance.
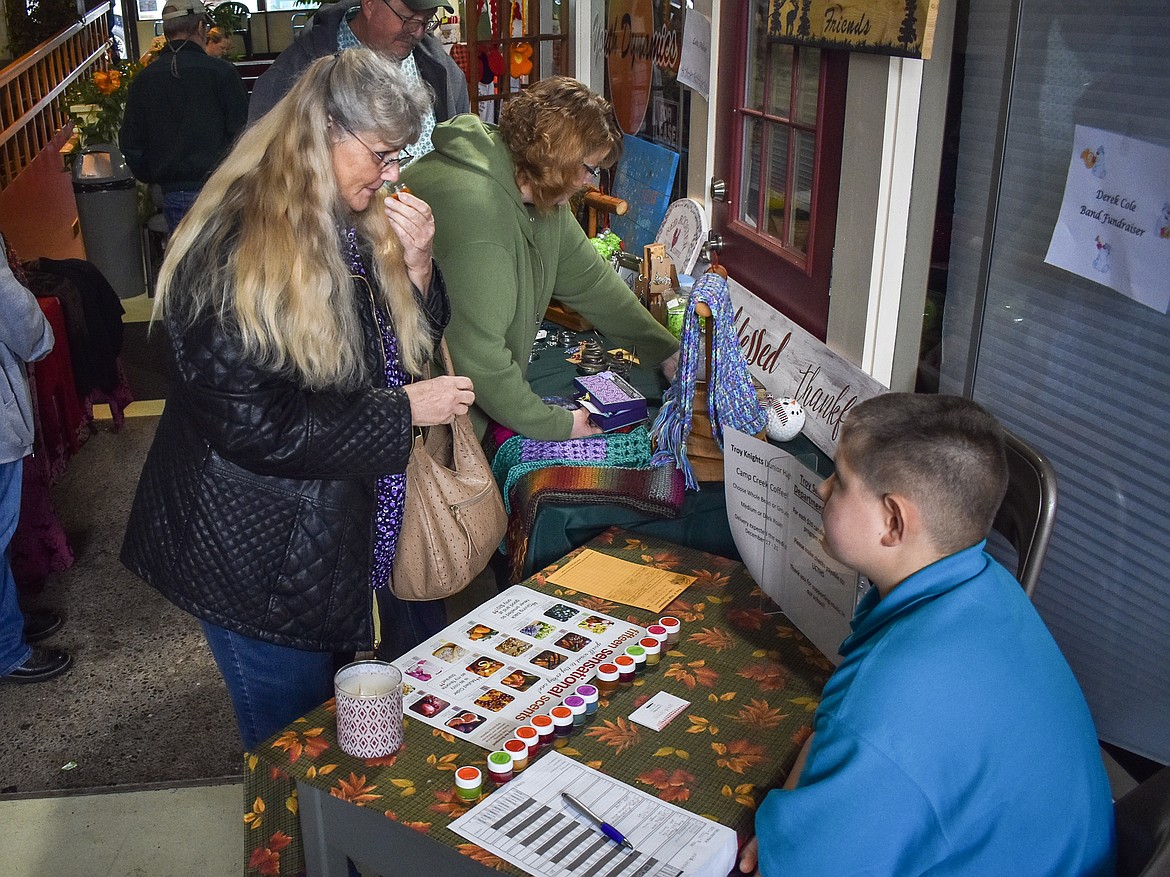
(1114, 223)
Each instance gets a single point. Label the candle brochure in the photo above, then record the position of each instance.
(510, 659)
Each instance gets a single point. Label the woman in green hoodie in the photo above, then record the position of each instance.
(507, 244)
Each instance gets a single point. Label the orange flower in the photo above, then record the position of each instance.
(521, 59)
(107, 81)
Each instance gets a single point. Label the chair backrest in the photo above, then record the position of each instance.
(1028, 512)
(1143, 828)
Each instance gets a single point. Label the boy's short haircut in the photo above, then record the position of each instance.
(945, 452)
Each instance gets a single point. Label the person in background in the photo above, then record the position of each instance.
(952, 739)
(217, 43)
(183, 112)
(401, 30)
(300, 305)
(508, 244)
(25, 336)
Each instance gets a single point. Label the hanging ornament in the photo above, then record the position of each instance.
(785, 418)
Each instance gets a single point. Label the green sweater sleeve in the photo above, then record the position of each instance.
(587, 284)
(484, 327)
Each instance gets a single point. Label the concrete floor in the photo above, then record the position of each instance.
(161, 833)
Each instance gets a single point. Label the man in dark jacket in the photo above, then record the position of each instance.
(183, 112)
(401, 30)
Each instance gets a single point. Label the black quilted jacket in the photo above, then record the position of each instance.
(254, 510)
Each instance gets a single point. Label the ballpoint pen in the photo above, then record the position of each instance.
(606, 829)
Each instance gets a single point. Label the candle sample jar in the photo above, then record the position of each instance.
(653, 649)
(607, 679)
(576, 705)
(590, 695)
(673, 628)
(657, 631)
(544, 727)
(500, 766)
(626, 669)
(639, 655)
(468, 784)
(530, 737)
(369, 708)
(518, 749)
(562, 718)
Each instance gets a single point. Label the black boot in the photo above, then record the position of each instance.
(42, 664)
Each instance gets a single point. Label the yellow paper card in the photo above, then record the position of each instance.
(621, 581)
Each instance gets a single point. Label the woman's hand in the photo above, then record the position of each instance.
(582, 425)
(439, 400)
(670, 366)
(412, 221)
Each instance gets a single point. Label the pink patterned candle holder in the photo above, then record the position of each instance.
(369, 708)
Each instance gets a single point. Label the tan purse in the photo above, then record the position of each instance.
(453, 518)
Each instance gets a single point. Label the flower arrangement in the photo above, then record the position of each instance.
(96, 103)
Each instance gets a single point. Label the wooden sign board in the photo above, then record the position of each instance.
(885, 27)
(790, 362)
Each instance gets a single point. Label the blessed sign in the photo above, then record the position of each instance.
(886, 27)
(790, 362)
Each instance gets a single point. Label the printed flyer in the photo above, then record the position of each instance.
(1114, 223)
(774, 513)
(515, 656)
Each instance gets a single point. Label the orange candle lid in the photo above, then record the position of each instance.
(623, 661)
(526, 733)
(468, 776)
(541, 721)
(561, 712)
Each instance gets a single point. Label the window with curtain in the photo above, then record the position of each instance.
(1076, 369)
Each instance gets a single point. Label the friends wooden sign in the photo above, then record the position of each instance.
(885, 27)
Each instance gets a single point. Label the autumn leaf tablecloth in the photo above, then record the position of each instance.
(752, 680)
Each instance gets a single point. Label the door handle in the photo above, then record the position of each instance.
(711, 246)
(718, 190)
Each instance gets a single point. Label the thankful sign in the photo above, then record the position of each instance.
(791, 363)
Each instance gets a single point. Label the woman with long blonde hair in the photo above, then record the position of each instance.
(300, 303)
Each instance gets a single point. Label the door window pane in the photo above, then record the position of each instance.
(777, 181)
(806, 152)
(808, 78)
(749, 186)
(780, 79)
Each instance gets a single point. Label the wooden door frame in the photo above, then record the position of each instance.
(749, 262)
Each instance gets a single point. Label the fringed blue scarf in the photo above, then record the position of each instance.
(731, 398)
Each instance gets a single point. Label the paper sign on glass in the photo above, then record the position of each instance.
(1114, 223)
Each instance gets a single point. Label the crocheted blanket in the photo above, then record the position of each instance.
(658, 492)
(518, 456)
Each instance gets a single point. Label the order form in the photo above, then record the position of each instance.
(527, 823)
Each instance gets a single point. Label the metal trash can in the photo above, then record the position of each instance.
(107, 210)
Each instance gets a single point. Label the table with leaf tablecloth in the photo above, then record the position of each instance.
(752, 680)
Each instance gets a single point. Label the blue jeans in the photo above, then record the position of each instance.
(176, 205)
(14, 651)
(271, 686)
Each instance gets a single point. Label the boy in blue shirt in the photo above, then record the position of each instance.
(953, 738)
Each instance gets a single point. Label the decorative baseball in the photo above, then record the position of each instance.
(785, 418)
